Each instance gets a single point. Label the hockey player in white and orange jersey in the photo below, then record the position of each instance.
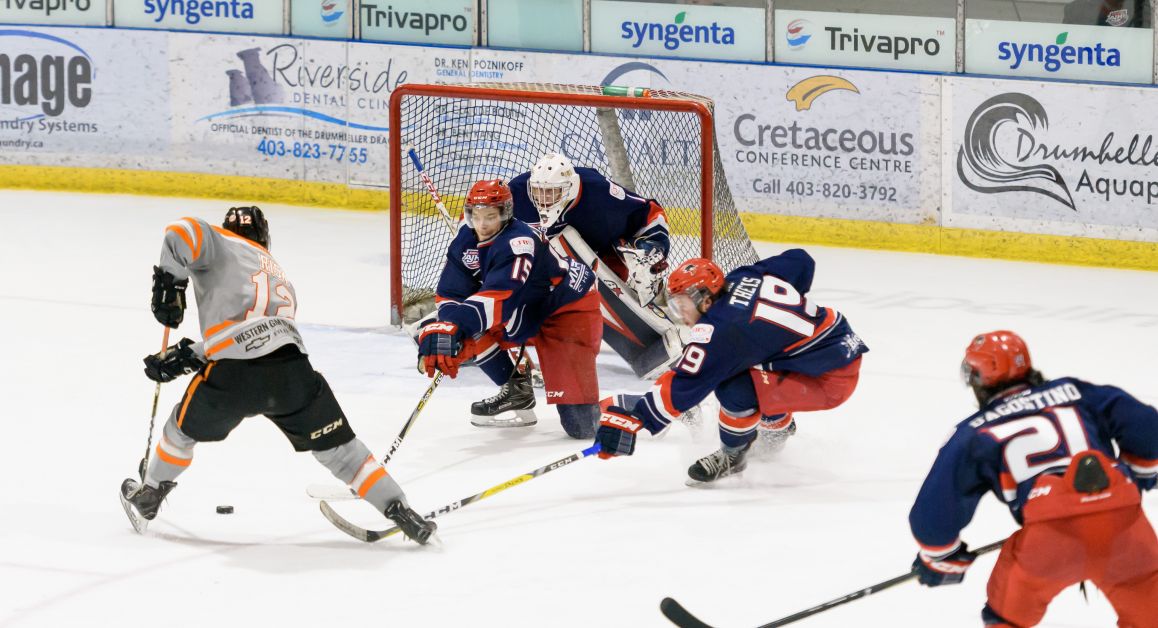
(251, 361)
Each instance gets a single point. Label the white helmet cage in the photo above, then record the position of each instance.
(553, 185)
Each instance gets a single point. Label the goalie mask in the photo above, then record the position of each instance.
(553, 186)
(489, 193)
(249, 223)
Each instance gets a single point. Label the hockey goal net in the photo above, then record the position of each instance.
(658, 143)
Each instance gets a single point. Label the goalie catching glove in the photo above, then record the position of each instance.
(616, 432)
(645, 266)
(440, 347)
(179, 359)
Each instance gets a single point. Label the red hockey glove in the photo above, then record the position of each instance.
(440, 348)
(934, 571)
(616, 433)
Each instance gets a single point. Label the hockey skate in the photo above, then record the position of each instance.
(517, 395)
(412, 524)
(719, 464)
(141, 501)
(772, 435)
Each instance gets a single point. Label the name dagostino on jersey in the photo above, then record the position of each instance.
(1057, 396)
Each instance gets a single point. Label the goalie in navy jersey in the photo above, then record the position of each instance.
(1046, 448)
(760, 344)
(504, 287)
(627, 232)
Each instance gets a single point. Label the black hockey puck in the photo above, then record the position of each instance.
(225, 510)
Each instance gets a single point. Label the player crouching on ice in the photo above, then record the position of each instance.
(504, 287)
(759, 344)
(252, 361)
(1046, 449)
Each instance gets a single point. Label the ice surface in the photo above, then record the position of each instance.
(596, 544)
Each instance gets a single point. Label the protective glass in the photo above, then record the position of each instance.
(683, 308)
(966, 373)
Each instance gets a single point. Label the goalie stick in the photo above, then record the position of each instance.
(680, 616)
(370, 536)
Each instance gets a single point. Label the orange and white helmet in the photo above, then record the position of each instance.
(489, 193)
(553, 186)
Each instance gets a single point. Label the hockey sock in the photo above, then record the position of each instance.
(497, 364)
(353, 464)
(737, 430)
(174, 454)
(776, 422)
(579, 420)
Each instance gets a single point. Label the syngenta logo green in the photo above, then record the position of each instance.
(677, 32)
(1055, 55)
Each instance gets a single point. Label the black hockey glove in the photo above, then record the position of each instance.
(178, 360)
(616, 432)
(934, 571)
(168, 298)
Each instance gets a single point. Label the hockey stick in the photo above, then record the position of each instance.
(370, 536)
(434, 195)
(144, 466)
(682, 618)
(326, 491)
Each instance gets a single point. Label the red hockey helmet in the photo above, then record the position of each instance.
(689, 284)
(995, 358)
(489, 193)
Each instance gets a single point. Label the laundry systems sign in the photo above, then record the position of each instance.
(874, 41)
(1065, 51)
(677, 30)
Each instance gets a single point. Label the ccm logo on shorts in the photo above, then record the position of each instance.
(327, 429)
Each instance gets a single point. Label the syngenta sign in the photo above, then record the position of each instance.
(667, 30)
(191, 11)
(677, 31)
(1045, 50)
(42, 75)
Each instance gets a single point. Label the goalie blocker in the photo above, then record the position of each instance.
(642, 335)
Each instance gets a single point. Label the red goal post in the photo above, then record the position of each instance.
(462, 133)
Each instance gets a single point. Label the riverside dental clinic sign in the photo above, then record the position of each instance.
(1063, 51)
(230, 16)
(866, 40)
(56, 12)
(677, 30)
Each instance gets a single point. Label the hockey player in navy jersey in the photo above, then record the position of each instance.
(503, 287)
(627, 232)
(1046, 448)
(759, 344)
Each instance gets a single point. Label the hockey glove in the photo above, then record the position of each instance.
(178, 360)
(934, 571)
(616, 432)
(440, 348)
(168, 298)
(645, 267)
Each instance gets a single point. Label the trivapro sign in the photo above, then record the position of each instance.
(1069, 51)
(878, 41)
(70, 12)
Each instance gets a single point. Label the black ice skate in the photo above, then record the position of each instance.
(516, 395)
(720, 464)
(411, 523)
(141, 501)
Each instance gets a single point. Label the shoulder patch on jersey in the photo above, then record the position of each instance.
(616, 190)
(702, 333)
(470, 258)
(523, 245)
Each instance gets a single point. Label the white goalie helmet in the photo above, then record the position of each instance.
(554, 184)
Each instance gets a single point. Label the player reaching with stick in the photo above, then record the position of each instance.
(252, 361)
(504, 287)
(1046, 448)
(760, 344)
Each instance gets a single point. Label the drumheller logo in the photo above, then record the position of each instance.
(1055, 56)
(48, 7)
(675, 33)
(192, 11)
(1005, 149)
(43, 81)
